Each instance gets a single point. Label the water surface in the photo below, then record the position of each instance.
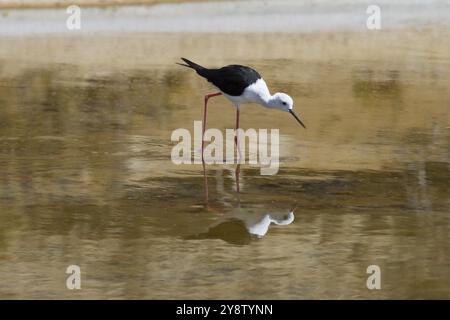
(87, 179)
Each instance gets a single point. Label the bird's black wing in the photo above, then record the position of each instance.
(232, 79)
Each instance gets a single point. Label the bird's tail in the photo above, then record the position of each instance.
(190, 64)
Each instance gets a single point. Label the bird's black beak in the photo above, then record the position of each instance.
(296, 118)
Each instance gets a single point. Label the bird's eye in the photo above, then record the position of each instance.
(284, 103)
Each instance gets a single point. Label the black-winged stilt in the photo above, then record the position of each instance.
(241, 84)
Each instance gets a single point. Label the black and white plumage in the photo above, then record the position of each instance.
(242, 84)
(231, 80)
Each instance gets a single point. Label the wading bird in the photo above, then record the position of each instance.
(241, 84)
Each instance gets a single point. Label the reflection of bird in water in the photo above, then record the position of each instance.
(232, 231)
(241, 226)
(259, 225)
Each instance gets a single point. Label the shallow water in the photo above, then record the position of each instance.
(87, 179)
(228, 16)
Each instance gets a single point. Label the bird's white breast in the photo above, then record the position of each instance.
(256, 92)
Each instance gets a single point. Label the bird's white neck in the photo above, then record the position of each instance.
(259, 93)
(269, 101)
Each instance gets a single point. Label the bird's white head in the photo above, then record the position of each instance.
(284, 102)
(281, 101)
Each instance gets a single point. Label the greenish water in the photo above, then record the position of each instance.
(87, 179)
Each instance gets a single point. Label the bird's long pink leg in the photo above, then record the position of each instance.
(236, 138)
(204, 118)
(236, 141)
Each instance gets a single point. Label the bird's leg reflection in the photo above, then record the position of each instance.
(205, 185)
(237, 173)
(206, 193)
